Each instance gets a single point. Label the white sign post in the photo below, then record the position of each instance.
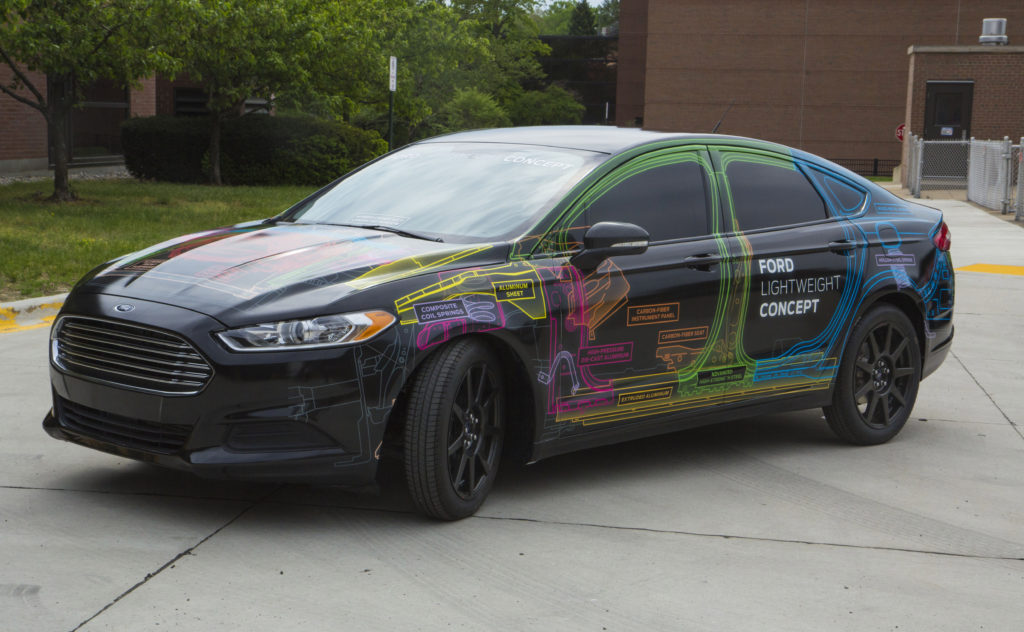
(392, 86)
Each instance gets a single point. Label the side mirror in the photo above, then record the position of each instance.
(609, 239)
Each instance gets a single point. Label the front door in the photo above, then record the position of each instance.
(636, 336)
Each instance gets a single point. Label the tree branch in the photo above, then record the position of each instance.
(41, 105)
(110, 30)
(18, 97)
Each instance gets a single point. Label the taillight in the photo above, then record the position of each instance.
(942, 239)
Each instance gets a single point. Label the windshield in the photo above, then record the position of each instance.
(455, 192)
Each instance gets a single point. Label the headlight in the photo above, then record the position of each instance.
(323, 331)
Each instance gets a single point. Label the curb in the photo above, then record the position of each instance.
(30, 313)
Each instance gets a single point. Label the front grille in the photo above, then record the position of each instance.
(118, 430)
(135, 357)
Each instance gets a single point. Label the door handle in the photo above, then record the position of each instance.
(702, 262)
(842, 246)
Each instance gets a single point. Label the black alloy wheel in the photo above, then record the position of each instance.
(878, 378)
(473, 430)
(454, 430)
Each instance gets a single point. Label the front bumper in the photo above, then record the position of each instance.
(312, 416)
(326, 466)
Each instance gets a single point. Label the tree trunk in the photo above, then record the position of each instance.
(57, 107)
(215, 150)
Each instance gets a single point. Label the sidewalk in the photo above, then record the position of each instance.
(91, 172)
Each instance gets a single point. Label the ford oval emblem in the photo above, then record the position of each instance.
(124, 307)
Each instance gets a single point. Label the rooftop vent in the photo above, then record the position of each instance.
(993, 32)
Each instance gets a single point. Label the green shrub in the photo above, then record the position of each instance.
(274, 150)
(470, 108)
(255, 149)
(166, 148)
(552, 106)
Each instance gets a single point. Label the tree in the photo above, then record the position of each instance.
(582, 20)
(438, 54)
(513, 42)
(554, 19)
(502, 17)
(607, 14)
(240, 49)
(74, 43)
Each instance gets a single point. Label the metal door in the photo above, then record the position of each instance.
(947, 110)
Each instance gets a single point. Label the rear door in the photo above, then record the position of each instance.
(796, 261)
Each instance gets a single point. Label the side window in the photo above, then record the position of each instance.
(769, 193)
(843, 197)
(669, 201)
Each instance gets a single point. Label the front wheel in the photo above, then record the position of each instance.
(454, 428)
(878, 378)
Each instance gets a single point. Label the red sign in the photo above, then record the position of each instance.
(901, 132)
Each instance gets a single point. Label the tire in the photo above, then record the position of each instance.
(878, 378)
(454, 429)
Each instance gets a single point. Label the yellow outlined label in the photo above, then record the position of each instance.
(640, 397)
(669, 336)
(514, 290)
(652, 314)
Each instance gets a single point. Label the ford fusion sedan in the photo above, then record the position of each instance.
(553, 288)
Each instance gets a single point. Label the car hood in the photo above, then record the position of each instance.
(257, 272)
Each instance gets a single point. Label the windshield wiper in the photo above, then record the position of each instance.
(392, 229)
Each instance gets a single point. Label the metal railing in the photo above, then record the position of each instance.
(991, 172)
(868, 166)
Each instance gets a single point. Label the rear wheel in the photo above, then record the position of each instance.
(878, 378)
(454, 428)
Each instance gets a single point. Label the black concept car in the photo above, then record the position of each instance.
(557, 288)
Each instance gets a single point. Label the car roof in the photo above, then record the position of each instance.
(599, 138)
(613, 140)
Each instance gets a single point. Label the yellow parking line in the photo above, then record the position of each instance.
(992, 268)
(12, 320)
(7, 327)
(7, 318)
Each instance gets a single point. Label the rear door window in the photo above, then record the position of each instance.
(766, 192)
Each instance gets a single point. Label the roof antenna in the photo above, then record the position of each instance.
(719, 123)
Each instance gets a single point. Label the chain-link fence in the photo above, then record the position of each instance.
(990, 172)
(938, 165)
(988, 180)
(1019, 202)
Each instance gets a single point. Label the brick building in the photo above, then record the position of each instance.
(827, 76)
(22, 129)
(94, 127)
(965, 91)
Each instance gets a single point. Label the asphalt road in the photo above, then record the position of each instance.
(763, 524)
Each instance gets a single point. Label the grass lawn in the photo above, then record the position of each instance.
(46, 247)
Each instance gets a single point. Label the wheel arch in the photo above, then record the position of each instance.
(911, 308)
(522, 400)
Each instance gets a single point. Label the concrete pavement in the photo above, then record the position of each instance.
(763, 524)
